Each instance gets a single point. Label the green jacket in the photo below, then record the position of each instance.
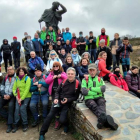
(54, 35)
(43, 35)
(24, 87)
(93, 92)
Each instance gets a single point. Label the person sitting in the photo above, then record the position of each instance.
(63, 55)
(93, 88)
(103, 72)
(117, 79)
(6, 97)
(33, 61)
(68, 63)
(58, 47)
(133, 81)
(67, 46)
(54, 79)
(53, 57)
(48, 52)
(66, 93)
(87, 56)
(59, 35)
(39, 90)
(76, 57)
(21, 90)
(83, 68)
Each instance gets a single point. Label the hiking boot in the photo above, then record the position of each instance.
(110, 123)
(66, 129)
(9, 129)
(35, 123)
(15, 128)
(101, 121)
(41, 137)
(25, 127)
(57, 125)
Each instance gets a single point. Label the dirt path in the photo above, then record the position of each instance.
(32, 134)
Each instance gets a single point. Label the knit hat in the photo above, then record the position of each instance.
(92, 66)
(14, 37)
(115, 68)
(38, 67)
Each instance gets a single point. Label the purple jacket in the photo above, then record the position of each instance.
(49, 80)
(133, 82)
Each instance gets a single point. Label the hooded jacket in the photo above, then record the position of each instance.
(118, 81)
(132, 81)
(6, 48)
(16, 46)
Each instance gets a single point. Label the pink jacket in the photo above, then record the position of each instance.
(49, 80)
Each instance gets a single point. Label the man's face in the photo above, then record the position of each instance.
(50, 28)
(71, 75)
(43, 29)
(91, 34)
(73, 35)
(59, 43)
(63, 52)
(32, 54)
(102, 30)
(25, 34)
(10, 71)
(67, 29)
(125, 42)
(38, 73)
(102, 44)
(92, 72)
(116, 36)
(67, 42)
(36, 35)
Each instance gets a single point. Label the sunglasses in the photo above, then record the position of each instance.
(56, 66)
(74, 51)
(53, 54)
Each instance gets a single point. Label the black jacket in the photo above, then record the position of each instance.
(93, 44)
(68, 91)
(16, 47)
(109, 55)
(63, 58)
(6, 48)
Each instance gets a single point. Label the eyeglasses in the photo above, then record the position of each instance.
(53, 54)
(56, 66)
(74, 51)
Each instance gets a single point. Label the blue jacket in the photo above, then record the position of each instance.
(44, 88)
(67, 48)
(82, 70)
(67, 36)
(34, 61)
(124, 50)
(38, 44)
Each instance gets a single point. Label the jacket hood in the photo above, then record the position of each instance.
(112, 74)
(5, 40)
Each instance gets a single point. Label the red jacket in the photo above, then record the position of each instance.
(118, 81)
(73, 43)
(102, 67)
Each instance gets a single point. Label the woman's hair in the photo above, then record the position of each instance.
(74, 49)
(101, 53)
(21, 68)
(86, 53)
(71, 59)
(58, 64)
(134, 67)
(53, 51)
(82, 60)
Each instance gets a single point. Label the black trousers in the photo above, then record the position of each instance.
(16, 57)
(6, 58)
(81, 52)
(63, 109)
(9, 115)
(27, 57)
(97, 106)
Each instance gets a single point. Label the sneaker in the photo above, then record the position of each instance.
(101, 121)
(35, 123)
(57, 125)
(25, 127)
(41, 137)
(111, 123)
(9, 129)
(15, 129)
(63, 133)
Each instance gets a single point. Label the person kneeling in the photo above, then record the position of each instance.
(66, 93)
(39, 90)
(117, 79)
(93, 88)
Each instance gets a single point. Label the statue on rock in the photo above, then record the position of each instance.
(53, 15)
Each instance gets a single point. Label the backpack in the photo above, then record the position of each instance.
(43, 78)
(97, 63)
(6, 78)
(76, 85)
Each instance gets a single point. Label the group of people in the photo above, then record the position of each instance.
(63, 66)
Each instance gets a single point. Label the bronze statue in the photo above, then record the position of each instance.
(53, 15)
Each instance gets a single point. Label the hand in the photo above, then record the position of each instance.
(50, 70)
(85, 75)
(64, 101)
(138, 91)
(56, 101)
(5, 97)
(55, 76)
(17, 98)
(59, 76)
(36, 83)
(19, 101)
(48, 43)
(39, 85)
(58, 51)
(8, 97)
(90, 41)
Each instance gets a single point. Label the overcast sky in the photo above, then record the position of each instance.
(122, 16)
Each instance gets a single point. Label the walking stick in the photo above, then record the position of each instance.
(39, 89)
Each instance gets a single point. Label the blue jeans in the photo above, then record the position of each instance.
(34, 102)
(21, 111)
(92, 53)
(125, 65)
(16, 57)
(116, 60)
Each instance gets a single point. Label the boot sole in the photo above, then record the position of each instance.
(111, 123)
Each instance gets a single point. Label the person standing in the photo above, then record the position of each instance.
(15, 45)
(67, 47)
(6, 49)
(73, 41)
(67, 35)
(43, 33)
(52, 34)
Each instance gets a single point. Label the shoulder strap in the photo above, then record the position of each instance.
(6, 78)
(86, 81)
(44, 77)
(77, 84)
(63, 82)
(26, 78)
(33, 79)
(99, 79)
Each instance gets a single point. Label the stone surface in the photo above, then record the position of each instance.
(137, 137)
(118, 115)
(112, 107)
(126, 131)
(111, 93)
(134, 126)
(131, 115)
(137, 108)
(125, 106)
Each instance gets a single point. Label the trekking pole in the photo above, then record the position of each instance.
(39, 89)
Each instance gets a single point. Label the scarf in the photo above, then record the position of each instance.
(21, 76)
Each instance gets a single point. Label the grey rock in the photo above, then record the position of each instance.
(117, 115)
(134, 126)
(110, 93)
(134, 100)
(125, 105)
(131, 115)
(112, 107)
(137, 108)
(121, 139)
(137, 137)
(117, 101)
(126, 131)
(125, 121)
